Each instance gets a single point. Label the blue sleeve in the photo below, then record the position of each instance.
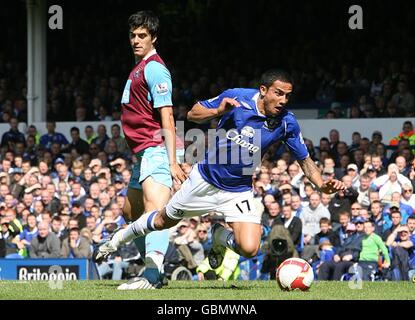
(159, 82)
(43, 140)
(294, 139)
(215, 102)
(63, 139)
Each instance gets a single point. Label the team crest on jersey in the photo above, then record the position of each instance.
(248, 132)
(271, 123)
(137, 73)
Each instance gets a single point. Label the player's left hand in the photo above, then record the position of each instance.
(177, 173)
(332, 186)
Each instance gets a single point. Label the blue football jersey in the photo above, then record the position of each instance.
(241, 139)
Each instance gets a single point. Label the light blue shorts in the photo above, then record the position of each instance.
(153, 162)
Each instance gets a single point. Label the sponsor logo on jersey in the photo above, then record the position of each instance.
(234, 136)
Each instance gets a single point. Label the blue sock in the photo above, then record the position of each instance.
(156, 244)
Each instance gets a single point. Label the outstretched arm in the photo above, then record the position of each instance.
(200, 114)
(312, 172)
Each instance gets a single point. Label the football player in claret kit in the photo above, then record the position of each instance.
(252, 120)
(146, 110)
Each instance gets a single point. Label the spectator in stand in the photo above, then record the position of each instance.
(355, 209)
(296, 205)
(269, 217)
(46, 244)
(341, 201)
(53, 137)
(375, 142)
(404, 169)
(376, 217)
(411, 225)
(378, 165)
(80, 145)
(363, 191)
(101, 138)
(76, 246)
(353, 172)
(407, 133)
(117, 214)
(372, 244)
(406, 210)
(391, 221)
(187, 245)
(49, 203)
(120, 141)
(347, 254)
(28, 233)
(408, 196)
(390, 183)
(401, 244)
(291, 223)
(13, 136)
(78, 214)
(57, 228)
(77, 193)
(310, 217)
(203, 238)
(334, 137)
(344, 220)
(404, 99)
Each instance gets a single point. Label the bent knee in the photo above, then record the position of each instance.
(249, 250)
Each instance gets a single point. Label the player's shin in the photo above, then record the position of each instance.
(139, 228)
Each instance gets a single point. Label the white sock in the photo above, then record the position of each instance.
(155, 260)
(139, 228)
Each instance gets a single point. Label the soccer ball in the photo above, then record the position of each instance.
(295, 273)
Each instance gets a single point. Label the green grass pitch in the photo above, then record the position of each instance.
(208, 290)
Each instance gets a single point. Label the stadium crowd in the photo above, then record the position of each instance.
(59, 198)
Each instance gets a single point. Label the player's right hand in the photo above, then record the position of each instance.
(177, 173)
(227, 105)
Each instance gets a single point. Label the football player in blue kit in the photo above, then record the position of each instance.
(251, 120)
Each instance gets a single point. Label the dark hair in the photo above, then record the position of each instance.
(394, 209)
(75, 129)
(56, 218)
(270, 76)
(371, 223)
(145, 19)
(344, 213)
(325, 220)
(376, 201)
